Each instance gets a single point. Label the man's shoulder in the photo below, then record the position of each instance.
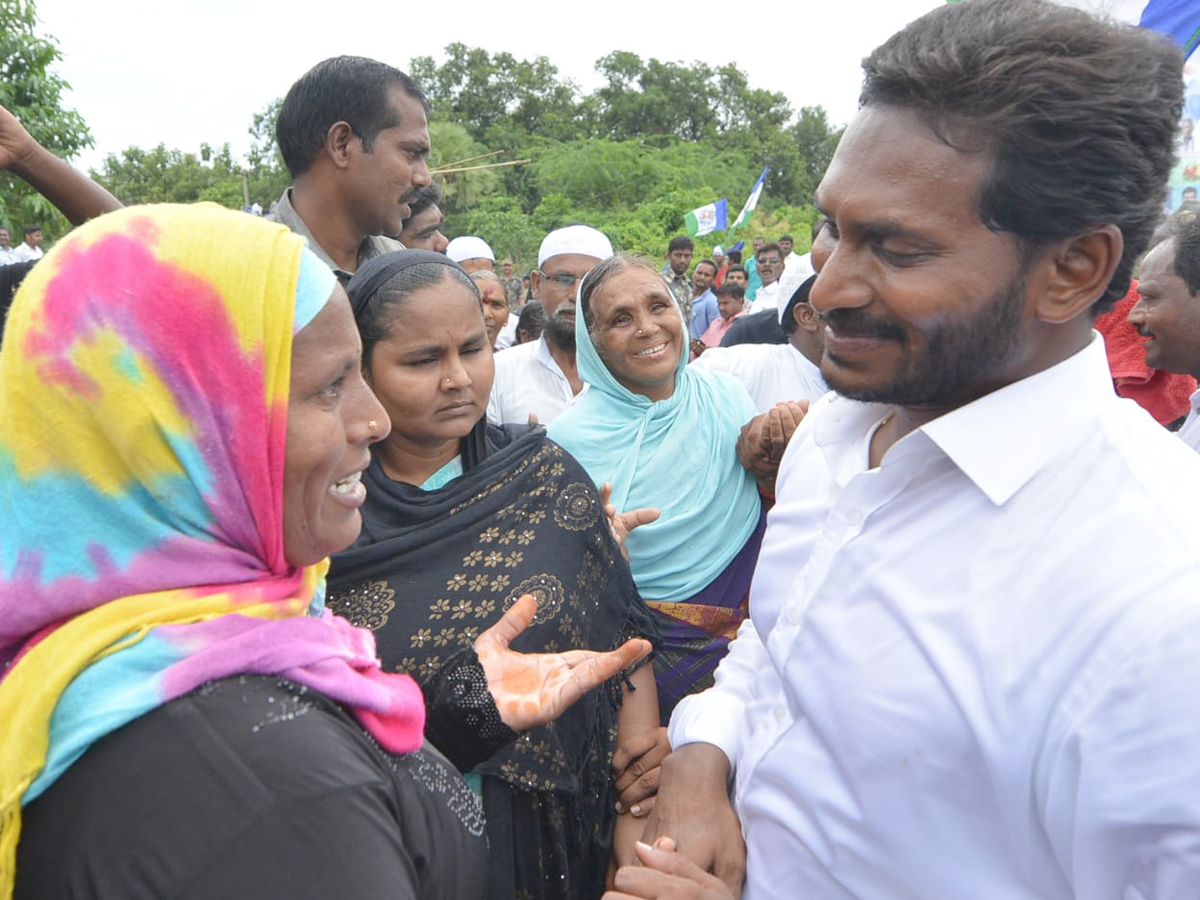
(514, 359)
(378, 244)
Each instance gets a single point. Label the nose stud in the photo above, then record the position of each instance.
(372, 425)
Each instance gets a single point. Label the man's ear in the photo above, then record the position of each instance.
(806, 317)
(1075, 272)
(338, 142)
(535, 283)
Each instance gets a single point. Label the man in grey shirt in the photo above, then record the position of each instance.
(354, 136)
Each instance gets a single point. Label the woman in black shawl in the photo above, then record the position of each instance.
(461, 519)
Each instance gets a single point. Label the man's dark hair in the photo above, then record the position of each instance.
(767, 248)
(706, 262)
(30, 229)
(787, 237)
(349, 89)
(425, 197)
(1183, 229)
(734, 256)
(733, 269)
(736, 291)
(532, 320)
(1079, 117)
(681, 242)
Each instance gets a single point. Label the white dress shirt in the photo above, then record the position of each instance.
(508, 334)
(974, 671)
(766, 298)
(1189, 432)
(772, 373)
(528, 380)
(22, 252)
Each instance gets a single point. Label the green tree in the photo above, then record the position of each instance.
(31, 90)
(498, 96)
(172, 176)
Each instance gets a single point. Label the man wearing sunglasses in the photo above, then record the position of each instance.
(538, 380)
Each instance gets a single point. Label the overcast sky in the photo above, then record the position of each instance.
(183, 72)
(188, 71)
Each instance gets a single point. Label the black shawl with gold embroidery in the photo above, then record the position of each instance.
(433, 569)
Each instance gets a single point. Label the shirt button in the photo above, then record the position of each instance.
(794, 614)
(780, 712)
(854, 516)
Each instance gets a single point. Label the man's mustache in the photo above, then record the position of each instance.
(856, 323)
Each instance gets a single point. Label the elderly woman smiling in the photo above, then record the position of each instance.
(183, 428)
(664, 435)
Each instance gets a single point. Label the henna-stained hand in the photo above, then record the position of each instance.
(535, 688)
(623, 524)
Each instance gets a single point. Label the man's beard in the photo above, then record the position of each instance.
(958, 355)
(560, 332)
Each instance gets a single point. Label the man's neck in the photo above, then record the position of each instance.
(330, 227)
(566, 360)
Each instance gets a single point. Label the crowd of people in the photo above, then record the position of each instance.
(334, 562)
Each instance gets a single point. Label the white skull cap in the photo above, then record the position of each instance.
(469, 247)
(582, 239)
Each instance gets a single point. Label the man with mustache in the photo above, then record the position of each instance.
(1167, 312)
(354, 137)
(953, 682)
(536, 381)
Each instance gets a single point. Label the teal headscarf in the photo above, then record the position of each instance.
(676, 454)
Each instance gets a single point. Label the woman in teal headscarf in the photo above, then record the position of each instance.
(664, 435)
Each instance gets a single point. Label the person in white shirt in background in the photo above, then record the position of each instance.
(31, 247)
(6, 248)
(801, 263)
(1168, 311)
(971, 661)
(776, 373)
(769, 259)
(540, 378)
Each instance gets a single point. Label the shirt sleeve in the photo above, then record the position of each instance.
(1120, 792)
(718, 715)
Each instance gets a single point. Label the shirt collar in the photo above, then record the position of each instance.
(1001, 440)
(1195, 400)
(372, 245)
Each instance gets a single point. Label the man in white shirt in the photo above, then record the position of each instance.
(540, 378)
(1168, 311)
(776, 373)
(6, 247)
(31, 247)
(971, 658)
(769, 260)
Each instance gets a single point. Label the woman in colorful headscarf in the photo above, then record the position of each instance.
(183, 428)
(461, 519)
(664, 435)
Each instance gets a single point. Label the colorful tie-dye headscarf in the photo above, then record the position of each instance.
(143, 416)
